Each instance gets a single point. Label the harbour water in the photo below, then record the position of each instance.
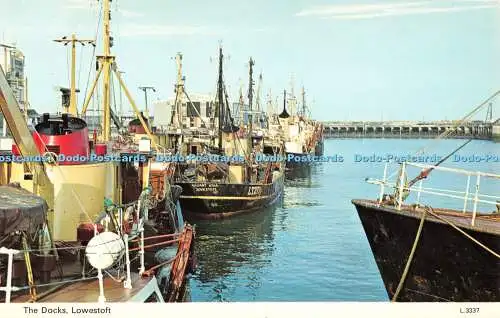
(311, 246)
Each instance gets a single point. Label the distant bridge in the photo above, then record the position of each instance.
(410, 129)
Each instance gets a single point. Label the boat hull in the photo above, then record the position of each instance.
(446, 266)
(298, 161)
(218, 200)
(319, 148)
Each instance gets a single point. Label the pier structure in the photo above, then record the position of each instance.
(496, 130)
(411, 129)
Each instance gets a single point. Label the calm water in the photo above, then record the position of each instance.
(311, 246)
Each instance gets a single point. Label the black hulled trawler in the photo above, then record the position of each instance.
(229, 179)
(428, 253)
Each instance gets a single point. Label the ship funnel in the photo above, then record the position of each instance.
(284, 113)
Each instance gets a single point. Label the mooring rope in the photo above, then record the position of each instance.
(430, 210)
(410, 258)
(446, 133)
(151, 270)
(464, 233)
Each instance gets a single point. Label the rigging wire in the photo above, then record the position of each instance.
(68, 67)
(80, 66)
(460, 122)
(92, 63)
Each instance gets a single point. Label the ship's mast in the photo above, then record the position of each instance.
(258, 102)
(179, 93)
(106, 60)
(303, 102)
(250, 94)
(107, 66)
(284, 114)
(269, 109)
(284, 101)
(293, 109)
(72, 109)
(220, 97)
(259, 85)
(242, 103)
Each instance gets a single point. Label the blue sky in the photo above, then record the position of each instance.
(358, 59)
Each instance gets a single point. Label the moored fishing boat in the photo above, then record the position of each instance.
(49, 235)
(435, 254)
(232, 179)
(430, 253)
(303, 137)
(84, 222)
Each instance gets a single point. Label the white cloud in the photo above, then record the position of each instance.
(130, 14)
(165, 30)
(368, 11)
(356, 8)
(80, 4)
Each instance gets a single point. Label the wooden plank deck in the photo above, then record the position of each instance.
(88, 291)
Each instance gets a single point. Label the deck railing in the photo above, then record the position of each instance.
(136, 232)
(8, 286)
(475, 197)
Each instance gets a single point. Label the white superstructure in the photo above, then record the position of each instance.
(193, 115)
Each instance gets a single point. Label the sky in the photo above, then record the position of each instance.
(357, 59)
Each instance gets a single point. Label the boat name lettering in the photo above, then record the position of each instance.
(254, 190)
(205, 188)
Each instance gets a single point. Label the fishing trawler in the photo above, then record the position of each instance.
(186, 121)
(231, 179)
(303, 137)
(274, 135)
(425, 253)
(82, 223)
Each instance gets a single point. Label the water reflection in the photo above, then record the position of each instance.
(312, 247)
(299, 172)
(226, 245)
(303, 178)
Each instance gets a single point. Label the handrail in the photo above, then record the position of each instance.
(127, 281)
(428, 191)
(457, 170)
(8, 286)
(467, 196)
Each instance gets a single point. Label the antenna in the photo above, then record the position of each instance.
(72, 107)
